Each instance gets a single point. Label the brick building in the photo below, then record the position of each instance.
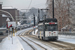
(13, 12)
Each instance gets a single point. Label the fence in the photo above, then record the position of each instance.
(67, 33)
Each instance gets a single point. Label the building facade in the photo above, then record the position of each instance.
(13, 12)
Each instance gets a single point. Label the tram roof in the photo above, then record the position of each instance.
(49, 20)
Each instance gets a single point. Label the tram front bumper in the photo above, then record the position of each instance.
(51, 38)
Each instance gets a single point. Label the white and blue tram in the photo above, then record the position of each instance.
(48, 29)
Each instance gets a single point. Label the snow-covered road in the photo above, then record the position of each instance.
(43, 44)
(27, 42)
(64, 38)
(69, 39)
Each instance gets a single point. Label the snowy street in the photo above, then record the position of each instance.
(30, 42)
(49, 45)
(37, 25)
(6, 44)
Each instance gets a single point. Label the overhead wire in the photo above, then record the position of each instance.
(30, 4)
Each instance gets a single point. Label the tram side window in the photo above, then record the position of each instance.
(40, 28)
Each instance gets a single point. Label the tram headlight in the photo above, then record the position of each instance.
(49, 32)
(54, 32)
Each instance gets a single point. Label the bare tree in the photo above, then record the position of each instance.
(62, 11)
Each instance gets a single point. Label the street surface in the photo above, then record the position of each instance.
(37, 25)
(24, 40)
(32, 40)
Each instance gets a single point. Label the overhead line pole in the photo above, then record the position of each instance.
(53, 7)
(38, 15)
(34, 23)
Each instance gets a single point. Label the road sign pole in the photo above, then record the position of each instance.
(8, 33)
(7, 26)
(14, 32)
(12, 35)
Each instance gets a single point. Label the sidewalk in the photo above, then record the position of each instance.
(6, 44)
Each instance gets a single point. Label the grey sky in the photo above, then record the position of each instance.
(23, 4)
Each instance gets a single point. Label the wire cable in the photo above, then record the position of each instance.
(30, 4)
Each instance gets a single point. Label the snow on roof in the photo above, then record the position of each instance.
(3, 15)
(7, 7)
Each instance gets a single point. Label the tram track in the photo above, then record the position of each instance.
(33, 48)
(57, 44)
(61, 45)
(28, 43)
(65, 44)
(36, 44)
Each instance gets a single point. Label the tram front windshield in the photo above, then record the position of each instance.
(51, 27)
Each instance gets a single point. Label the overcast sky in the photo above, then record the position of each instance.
(23, 4)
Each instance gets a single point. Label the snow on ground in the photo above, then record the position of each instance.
(18, 44)
(35, 32)
(33, 44)
(21, 31)
(64, 38)
(69, 39)
(38, 42)
(6, 44)
(25, 45)
(67, 36)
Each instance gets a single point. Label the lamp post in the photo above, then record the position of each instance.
(12, 19)
(7, 20)
(8, 14)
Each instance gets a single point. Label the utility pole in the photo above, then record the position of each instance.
(16, 19)
(53, 7)
(38, 15)
(34, 19)
(34, 23)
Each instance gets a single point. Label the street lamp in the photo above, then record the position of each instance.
(9, 20)
(8, 14)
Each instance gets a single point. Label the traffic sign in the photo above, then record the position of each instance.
(10, 26)
(7, 19)
(12, 23)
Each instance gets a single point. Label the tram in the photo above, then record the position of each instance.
(48, 29)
